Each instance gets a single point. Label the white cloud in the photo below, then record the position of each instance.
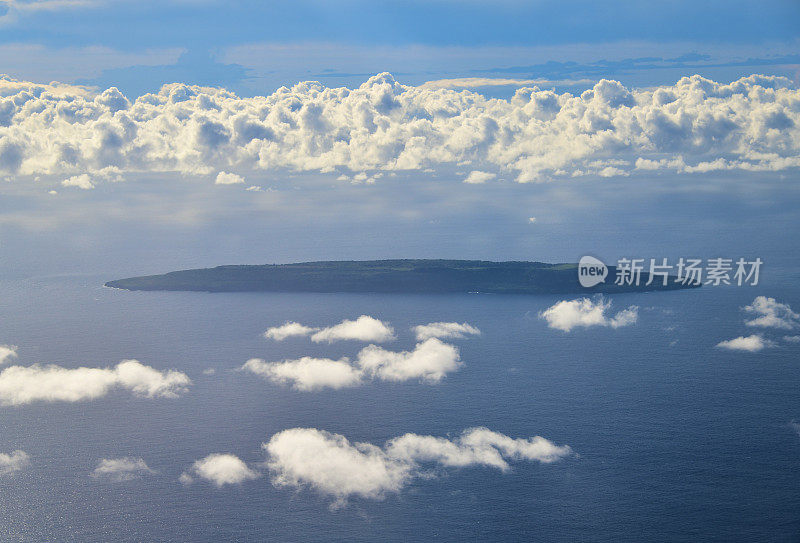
(7, 352)
(753, 343)
(288, 329)
(772, 314)
(220, 469)
(23, 385)
(13, 462)
(364, 328)
(430, 361)
(568, 314)
(478, 177)
(695, 125)
(792, 339)
(121, 469)
(330, 464)
(82, 181)
(225, 178)
(88, 181)
(307, 373)
(476, 446)
(444, 330)
(333, 466)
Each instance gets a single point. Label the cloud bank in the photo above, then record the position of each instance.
(695, 125)
(772, 314)
(121, 469)
(14, 462)
(219, 469)
(430, 361)
(333, 466)
(584, 312)
(23, 385)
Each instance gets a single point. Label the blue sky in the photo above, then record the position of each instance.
(142, 25)
(254, 47)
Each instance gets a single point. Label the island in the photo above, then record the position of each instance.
(409, 276)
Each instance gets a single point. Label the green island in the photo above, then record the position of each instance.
(411, 276)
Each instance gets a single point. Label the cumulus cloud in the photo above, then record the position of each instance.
(50, 383)
(444, 330)
(476, 446)
(121, 469)
(307, 373)
(7, 352)
(288, 329)
(330, 464)
(430, 361)
(225, 178)
(753, 343)
(13, 462)
(584, 312)
(219, 469)
(695, 125)
(478, 177)
(772, 314)
(768, 313)
(85, 181)
(364, 328)
(333, 466)
(82, 181)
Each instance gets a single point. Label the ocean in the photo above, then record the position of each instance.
(674, 439)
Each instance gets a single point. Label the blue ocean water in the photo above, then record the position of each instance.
(675, 439)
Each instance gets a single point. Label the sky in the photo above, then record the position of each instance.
(272, 131)
(254, 47)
